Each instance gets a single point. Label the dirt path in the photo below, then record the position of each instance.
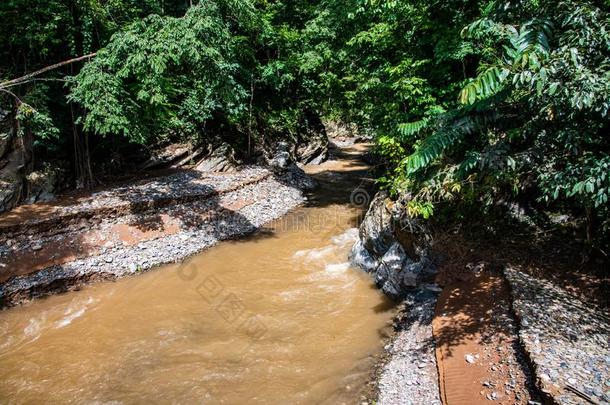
(477, 350)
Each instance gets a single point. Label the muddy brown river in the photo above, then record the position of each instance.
(279, 317)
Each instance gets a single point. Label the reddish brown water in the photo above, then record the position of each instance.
(276, 318)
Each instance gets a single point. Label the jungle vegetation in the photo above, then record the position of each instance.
(471, 103)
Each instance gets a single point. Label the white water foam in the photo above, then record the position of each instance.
(73, 312)
(337, 268)
(309, 255)
(348, 237)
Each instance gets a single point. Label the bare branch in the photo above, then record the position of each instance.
(29, 76)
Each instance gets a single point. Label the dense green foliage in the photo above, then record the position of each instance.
(532, 124)
(471, 102)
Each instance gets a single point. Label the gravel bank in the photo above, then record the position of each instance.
(143, 195)
(409, 375)
(215, 208)
(566, 338)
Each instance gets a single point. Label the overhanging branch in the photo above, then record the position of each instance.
(29, 76)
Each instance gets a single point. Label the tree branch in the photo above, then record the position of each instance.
(27, 77)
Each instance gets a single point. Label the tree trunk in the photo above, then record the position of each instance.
(82, 161)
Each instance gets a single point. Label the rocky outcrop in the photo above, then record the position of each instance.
(166, 156)
(11, 165)
(222, 159)
(282, 164)
(312, 144)
(314, 152)
(393, 247)
(343, 134)
(44, 184)
(18, 183)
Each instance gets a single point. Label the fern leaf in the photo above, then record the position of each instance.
(483, 86)
(408, 129)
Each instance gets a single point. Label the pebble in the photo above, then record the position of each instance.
(566, 340)
(404, 378)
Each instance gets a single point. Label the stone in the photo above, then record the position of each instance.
(389, 281)
(395, 257)
(280, 161)
(434, 288)
(43, 184)
(409, 280)
(469, 358)
(222, 159)
(361, 258)
(11, 180)
(376, 228)
(380, 249)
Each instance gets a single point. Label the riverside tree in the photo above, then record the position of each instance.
(470, 102)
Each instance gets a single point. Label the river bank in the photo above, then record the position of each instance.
(483, 319)
(50, 248)
(247, 321)
(465, 332)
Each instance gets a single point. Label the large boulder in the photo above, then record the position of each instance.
(388, 275)
(360, 257)
(281, 157)
(393, 247)
(10, 194)
(222, 159)
(312, 143)
(287, 170)
(44, 184)
(376, 231)
(11, 180)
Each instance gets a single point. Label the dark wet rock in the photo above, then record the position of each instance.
(361, 258)
(376, 230)
(393, 247)
(388, 275)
